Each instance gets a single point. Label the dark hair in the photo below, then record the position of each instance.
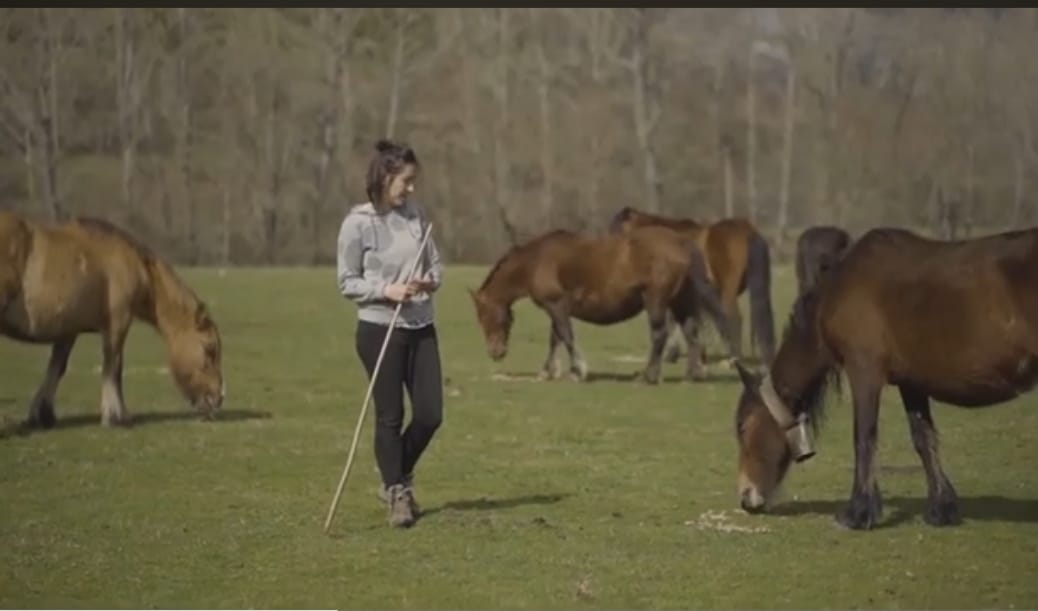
(389, 159)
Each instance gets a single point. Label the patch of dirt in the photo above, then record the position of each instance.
(720, 521)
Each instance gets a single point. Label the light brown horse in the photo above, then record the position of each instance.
(737, 257)
(955, 321)
(602, 280)
(87, 276)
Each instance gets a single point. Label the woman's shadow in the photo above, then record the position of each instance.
(485, 504)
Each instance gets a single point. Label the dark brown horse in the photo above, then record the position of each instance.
(58, 281)
(602, 280)
(738, 257)
(818, 250)
(953, 321)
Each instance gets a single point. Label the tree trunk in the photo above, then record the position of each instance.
(46, 104)
(501, 166)
(398, 70)
(646, 114)
(787, 153)
(751, 139)
(1016, 218)
(185, 137)
(729, 194)
(544, 106)
(124, 63)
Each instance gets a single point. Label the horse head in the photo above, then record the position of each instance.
(495, 319)
(195, 359)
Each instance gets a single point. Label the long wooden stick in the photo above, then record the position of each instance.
(371, 386)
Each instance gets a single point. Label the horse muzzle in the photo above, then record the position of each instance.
(751, 501)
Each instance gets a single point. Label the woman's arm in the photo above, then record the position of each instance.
(350, 265)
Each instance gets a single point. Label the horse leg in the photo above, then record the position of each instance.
(564, 327)
(689, 326)
(550, 370)
(942, 501)
(657, 338)
(672, 349)
(865, 505)
(41, 410)
(113, 409)
(732, 331)
(716, 305)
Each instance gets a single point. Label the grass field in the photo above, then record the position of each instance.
(608, 494)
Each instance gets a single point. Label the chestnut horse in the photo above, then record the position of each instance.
(58, 281)
(737, 257)
(818, 250)
(602, 280)
(952, 321)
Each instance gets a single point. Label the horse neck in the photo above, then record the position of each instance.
(803, 366)
(508, 282)
(172, 305)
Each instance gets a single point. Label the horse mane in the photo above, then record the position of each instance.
(802, 327)
(158, 269)
(104, 227)
(517, 249)
(512, 251)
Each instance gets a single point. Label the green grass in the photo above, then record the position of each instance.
(540, 495)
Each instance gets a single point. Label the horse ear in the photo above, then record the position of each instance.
(749, 379)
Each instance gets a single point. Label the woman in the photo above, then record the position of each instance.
(378, 242)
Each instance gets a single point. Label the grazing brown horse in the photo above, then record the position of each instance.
(953, 321)
(738, 257)
(87, 276)
(818, 250)
(602, 280)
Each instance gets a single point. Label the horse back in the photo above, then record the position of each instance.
(75, 277)
(956, 318)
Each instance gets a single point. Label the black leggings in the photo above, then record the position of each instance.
(412, 360)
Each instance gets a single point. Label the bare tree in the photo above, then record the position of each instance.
(501, 123)
(131, 78)
(645, 105)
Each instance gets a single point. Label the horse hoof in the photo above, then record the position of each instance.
(857, 517)
(649, 378)
(942, 513)
(696, 376)
(116, 421)
(43, 417)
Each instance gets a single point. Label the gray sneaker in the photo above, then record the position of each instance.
(383, 495)
(399, 503)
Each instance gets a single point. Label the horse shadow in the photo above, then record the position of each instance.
(712, 377)
(900, 509)
(485, 504)
(21, 428)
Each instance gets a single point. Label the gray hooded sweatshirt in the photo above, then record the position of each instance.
(378, 249)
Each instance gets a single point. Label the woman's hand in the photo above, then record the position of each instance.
(399, 292)
(423, 286)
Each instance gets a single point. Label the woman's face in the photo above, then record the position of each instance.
(401, 185)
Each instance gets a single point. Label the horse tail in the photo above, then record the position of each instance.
(706, 294)
(16, 241)
(762, 320)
